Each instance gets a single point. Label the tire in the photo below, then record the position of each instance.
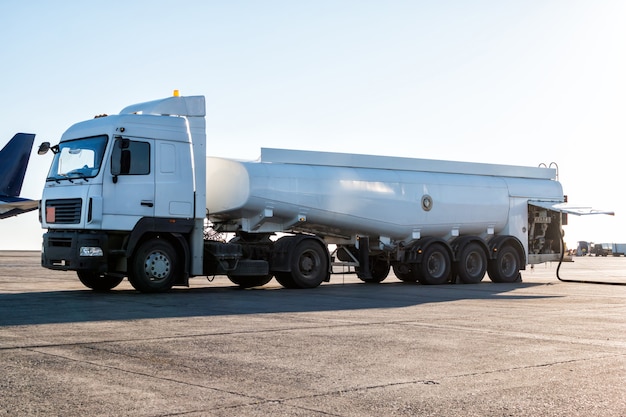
(472, 264)
(379, 269)
(309, 264)
(285, 279)
(506, 266)
(436, 267)
(250, 281)
(404, 276)
(153, 267)
(99, 282)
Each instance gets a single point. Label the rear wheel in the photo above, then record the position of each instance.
(153, 267)
(379, 269)
(405, 273)
(99, 282)
(250, 281)
(309, 264)
(436, 266)
(506, 266)
(472, 263)
(285, 279)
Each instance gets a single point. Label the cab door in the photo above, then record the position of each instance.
(128, 193)
(174, 180)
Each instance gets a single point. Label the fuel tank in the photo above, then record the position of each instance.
(344, 195)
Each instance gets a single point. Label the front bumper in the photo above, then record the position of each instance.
(61, 251)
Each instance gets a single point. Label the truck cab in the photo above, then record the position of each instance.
(117, 182)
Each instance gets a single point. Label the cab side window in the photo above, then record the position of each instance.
(130, 157)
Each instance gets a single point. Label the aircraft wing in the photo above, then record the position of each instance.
(16, 206)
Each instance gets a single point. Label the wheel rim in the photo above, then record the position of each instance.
(508, 264)
(309, 263)
(436, 265)
(157, 266)
(474, 264)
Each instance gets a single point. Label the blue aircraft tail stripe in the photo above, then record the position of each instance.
(13, 163)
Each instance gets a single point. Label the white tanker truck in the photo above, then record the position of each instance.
(129, 195)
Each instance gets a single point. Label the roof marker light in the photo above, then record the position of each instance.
(176, 93)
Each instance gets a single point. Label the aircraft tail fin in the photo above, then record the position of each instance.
(13, 163)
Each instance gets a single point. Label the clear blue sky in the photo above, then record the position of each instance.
(510, 82)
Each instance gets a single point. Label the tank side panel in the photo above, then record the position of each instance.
(376, 202)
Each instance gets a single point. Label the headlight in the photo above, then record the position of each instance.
(91, 251)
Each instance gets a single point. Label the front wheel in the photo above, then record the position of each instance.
(99, 282)
(153, 267)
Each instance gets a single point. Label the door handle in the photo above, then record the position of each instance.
(147, 203)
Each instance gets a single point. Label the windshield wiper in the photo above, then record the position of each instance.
(78, 174)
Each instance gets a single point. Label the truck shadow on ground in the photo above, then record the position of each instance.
(32, 308)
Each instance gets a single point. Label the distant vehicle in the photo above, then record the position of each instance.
(602, 249)
(618, 249)
(128, 195)
(13, 163)
(583, 249)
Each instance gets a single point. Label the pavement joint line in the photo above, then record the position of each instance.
(187, 336)
(143, 374)
(256, 400)
(407, 322)
(439, 382)
(259, 400)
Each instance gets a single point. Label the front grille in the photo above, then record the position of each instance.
(66, 211)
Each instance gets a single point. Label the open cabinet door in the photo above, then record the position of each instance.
(569, 209)
(545, 221)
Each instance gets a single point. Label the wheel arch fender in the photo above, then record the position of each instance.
(420, 246)
(458, 244)
(174, 232)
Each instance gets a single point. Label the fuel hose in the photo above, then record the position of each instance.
(575, 280)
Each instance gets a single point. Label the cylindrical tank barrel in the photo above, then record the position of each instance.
(359, 201)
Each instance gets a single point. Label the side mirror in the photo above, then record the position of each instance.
(45, 147)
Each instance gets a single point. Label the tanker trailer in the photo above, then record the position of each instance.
(431, 221)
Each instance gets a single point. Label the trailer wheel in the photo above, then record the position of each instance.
(309, 264)
(250, 281)
(436, 266)
(404, 273)
(472, 264)
(506, 266)
(379, 269)
(153, 267)
(99, 282)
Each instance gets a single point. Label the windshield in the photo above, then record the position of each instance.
(80, 158)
